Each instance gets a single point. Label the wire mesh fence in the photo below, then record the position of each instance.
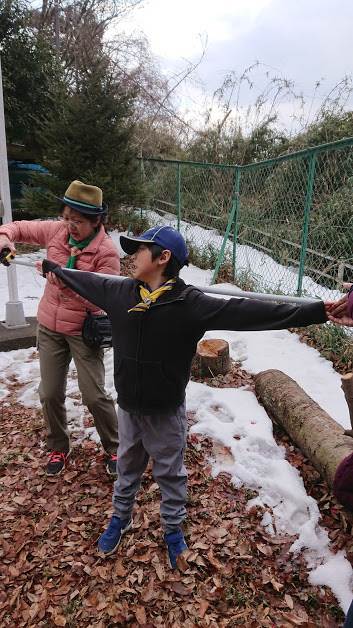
(281, 225)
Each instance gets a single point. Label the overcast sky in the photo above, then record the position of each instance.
(301, 40)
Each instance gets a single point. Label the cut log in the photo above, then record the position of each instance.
(347, 387)
(211, 359)
(319, 437)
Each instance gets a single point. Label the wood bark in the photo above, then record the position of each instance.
(347, 387)
(319, 437)
(212, 358)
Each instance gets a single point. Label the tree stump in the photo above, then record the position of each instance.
(211, 359)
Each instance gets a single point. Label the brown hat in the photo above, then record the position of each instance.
(86, 199)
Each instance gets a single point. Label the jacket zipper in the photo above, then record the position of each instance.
(138, 393)
(138, 350)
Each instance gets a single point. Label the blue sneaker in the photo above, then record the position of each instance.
(108, 542)
(176, 545)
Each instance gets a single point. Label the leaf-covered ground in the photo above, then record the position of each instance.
(233, 574)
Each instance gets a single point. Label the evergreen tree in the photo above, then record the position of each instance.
(30, 75)
(88, 137)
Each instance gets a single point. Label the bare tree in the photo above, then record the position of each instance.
(78, 27)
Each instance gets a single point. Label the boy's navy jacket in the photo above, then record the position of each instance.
(153, 350)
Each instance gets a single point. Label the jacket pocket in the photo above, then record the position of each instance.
(157, 387)
(126, 378)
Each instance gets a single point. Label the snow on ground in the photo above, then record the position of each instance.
(257, 461)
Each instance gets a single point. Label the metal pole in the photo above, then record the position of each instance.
(307, 208)
(231, 292)
(14, 308)
(178, 196)
(236, 216)
(225, 240)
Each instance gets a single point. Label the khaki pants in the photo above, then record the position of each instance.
(55, 353)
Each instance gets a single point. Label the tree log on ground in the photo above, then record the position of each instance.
(212, 358)
(319, 437)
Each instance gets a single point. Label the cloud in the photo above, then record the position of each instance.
(175, 28)
(303, 41)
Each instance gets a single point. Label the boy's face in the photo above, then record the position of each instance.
(145, 268)
(143, 264)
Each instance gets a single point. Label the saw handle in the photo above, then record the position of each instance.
(6, 256)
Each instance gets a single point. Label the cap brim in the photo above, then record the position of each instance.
(130, 245)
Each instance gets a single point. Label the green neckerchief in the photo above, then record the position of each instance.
(78, 245)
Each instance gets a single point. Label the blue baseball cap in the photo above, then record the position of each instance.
(166, 237)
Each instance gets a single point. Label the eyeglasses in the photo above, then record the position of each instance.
(76, 223)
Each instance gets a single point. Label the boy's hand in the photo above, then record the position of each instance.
(48, 266)
(45, 268)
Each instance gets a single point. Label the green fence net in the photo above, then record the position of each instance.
(281, 225)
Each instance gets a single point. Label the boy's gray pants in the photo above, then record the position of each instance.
(163, 439)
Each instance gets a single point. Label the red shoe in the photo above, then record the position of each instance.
(110, 465)
(56, 463)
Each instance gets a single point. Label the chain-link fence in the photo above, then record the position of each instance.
(281, 225)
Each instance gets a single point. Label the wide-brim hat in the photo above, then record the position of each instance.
(166, 237)
(83, 198)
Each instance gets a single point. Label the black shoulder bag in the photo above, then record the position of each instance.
(97, 331)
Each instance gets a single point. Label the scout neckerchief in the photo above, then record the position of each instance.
(150, 297)
(76, 246)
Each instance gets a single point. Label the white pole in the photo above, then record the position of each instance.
(14, 308)
(213, 289)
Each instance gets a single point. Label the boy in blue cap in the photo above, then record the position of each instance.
(156, 323)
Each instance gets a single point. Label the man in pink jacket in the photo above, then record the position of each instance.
(82, 243)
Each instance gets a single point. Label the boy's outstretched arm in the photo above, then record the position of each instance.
(252, 315)
(100, 291)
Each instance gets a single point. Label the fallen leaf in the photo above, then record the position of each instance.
(203, 608)
(140, 614)
(59, 620)
(20, 500)
(276, 585)
(289, 601)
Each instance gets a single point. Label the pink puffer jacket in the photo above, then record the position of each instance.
(60, 309)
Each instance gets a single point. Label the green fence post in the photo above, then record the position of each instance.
(178, 195)
(305, 231)
(225, 239)
(236, 203)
